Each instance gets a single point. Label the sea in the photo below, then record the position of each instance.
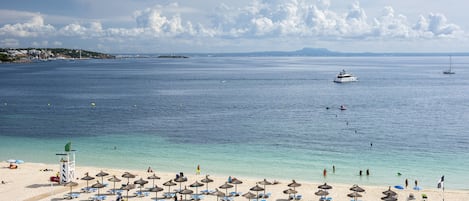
(257, 117)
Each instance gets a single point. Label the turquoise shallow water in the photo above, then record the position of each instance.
(258, 117)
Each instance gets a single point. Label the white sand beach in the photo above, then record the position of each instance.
(30, 183)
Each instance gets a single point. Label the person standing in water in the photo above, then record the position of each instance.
(324, 173)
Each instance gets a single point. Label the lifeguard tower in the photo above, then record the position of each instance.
(67, 164)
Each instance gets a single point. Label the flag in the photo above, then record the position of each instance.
(68, 146)
(441, 182)
(197, 171)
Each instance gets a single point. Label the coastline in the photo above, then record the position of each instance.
(28, 182)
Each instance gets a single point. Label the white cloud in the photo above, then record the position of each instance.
(269, 20)
(33, 28)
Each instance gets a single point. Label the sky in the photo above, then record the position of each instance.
(213, 26)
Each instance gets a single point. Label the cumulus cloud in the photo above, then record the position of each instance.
(33, 28)
(260, 19)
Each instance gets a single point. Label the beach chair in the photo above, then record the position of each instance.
(98, 198)
(197, 197)
(70, 196)
(141, 194)
(299, 197)
(329, 199)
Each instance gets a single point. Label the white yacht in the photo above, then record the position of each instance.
(345, 77)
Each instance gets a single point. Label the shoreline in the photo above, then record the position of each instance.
(29, 183)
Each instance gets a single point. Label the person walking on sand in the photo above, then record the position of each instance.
(416, 182)
(406, 183)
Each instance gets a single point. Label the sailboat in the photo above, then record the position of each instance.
(449, 70)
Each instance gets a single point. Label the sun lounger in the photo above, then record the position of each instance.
(197, 197)
(299, 197)
(141, 194)
(328, 198)
(98, 198)
(235, 193)
(226, 198)
(88, 190)
(168, 195)
(267, 195)
(70, 196)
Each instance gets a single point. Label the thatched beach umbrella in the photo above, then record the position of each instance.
(128, 176)
(257, 188)
(87, 178)
(98, 186)
(226, 186)
(71, 184)
(389, 198)
(153, 177)
(180, 180)
(127, 188)
(389, 192)
(169, 184)
(325, 186)
(236, 182)
(218, 193)
(289, 192)
(114, 179)
(321, 193)
(354, 195)
(196, 185)
(294, 184)
(185, 192)
(102, 175)
(206, 180)
(141, 182)
(249, 195)
(357, 188)
(156, 189)
(264, 182)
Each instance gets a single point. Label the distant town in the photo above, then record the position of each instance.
(25, 55)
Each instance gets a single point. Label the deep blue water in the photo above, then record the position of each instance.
(258, 117)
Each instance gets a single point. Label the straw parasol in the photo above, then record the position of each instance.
(226, 186)
(128, 176)
(102, 175)
(180, 180)
(141, 182)
(156, 189)
(218, 193)
(236, 182)
(354, 195)
(257, 188)
(169, 184)
(185, 192)
(325, 186)
(389, 192)
(249, 195)
(127, 188)
(87, 178)
(321, 193)
(71, 184)
(294, 184)
(289, 192)
(389, 198)
(114, 179)
(264, 182)
(153, 177)
(98, 186)
(357, 188)
(206, 180)
(196, 185)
